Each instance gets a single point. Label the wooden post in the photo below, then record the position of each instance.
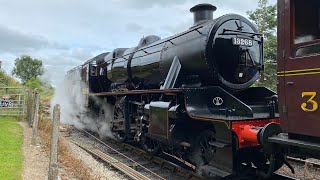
(29, 107)
(24, 102)
(36, 119)
(53, 166)
(33, 104)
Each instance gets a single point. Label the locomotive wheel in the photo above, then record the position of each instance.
(118, 119)
(150, 145)
(203, 152)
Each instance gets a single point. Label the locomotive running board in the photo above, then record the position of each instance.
(172, 74)
(283, 138)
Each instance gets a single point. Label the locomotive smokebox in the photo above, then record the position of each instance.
(202, 12)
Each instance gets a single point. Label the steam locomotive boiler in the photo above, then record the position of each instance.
(226, 52)
(190, 95)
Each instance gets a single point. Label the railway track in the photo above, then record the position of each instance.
(304, 162)
(114, 163)
(137, 164)
(132, 161)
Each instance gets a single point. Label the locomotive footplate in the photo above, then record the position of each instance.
(284, 139)
(300, 147)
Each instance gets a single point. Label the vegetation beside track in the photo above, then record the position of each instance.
(66, 158)
(11, 157)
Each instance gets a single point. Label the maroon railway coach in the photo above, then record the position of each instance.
(298, 81)
(299, 76)
(298, 59)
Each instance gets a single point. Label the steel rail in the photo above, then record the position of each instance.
(132, 173)
(281, 176)
(123, 155)
(114, 162)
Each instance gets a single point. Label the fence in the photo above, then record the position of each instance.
(12, 101)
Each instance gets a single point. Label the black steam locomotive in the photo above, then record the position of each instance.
(190, 95)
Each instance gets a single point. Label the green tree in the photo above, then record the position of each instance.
(6, 80)
(27, 68)
(34, 83)
(265, 16)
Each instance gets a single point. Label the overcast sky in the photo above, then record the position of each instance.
(65, 33)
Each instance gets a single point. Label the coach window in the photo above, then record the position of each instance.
(306, 31)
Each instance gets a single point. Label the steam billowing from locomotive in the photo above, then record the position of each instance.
(74, 109)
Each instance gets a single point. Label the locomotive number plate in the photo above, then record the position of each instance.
(242, 41)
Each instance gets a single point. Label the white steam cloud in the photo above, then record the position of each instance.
(72, 95)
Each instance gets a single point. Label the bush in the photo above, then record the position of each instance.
(34, 83)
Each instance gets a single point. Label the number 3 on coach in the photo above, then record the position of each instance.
(311, 101)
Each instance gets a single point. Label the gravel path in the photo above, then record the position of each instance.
(35, 165)
(36, 161)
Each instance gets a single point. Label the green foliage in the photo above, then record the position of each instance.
(265, 16)
(11, 157)
(34, 83)
(27, 68)
(6, 80)
(44, 88)
(47, 91)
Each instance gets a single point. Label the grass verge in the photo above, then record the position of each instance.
(65, 157)
(11, 157)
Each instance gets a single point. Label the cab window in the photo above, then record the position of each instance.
(306, 31)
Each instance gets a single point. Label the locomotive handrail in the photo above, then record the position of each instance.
(244, 32)
(303, 44)
(125, 59)
(155, 91)
(298, 46)
(168, 40)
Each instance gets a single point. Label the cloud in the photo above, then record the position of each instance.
(67, 33)
(143, 4)
(57, 63)
(147, 4)
(81, 54)
(13, 41)
(133, 27)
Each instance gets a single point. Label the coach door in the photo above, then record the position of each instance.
(302, 68)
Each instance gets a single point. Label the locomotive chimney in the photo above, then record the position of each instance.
(202, 12)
